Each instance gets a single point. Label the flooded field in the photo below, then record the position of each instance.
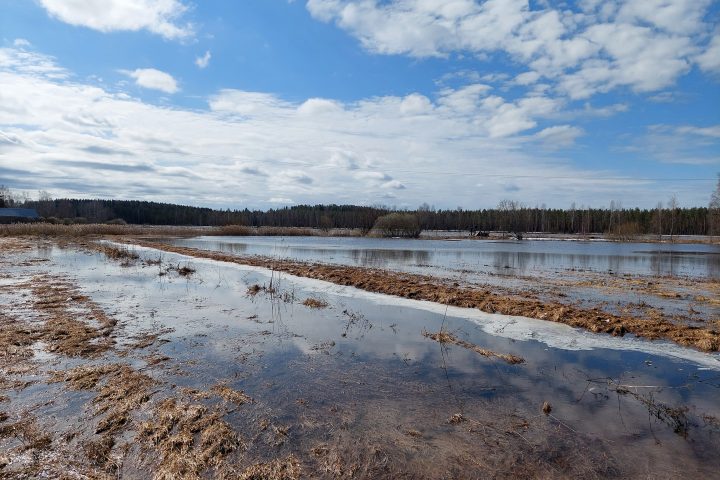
(134, 362)
(478, 258)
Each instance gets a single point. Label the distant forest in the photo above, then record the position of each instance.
(508, 216)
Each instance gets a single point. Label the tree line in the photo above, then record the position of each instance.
(509, 215)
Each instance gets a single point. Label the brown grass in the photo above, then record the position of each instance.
(279, 469)
(123, 254)
(68, 332)
(188, 439)
(315, 303)
(228, 394)
(446, 337)
(67, 321)
(95, 229)
(120, 391)
(422, 287)
(27, 431)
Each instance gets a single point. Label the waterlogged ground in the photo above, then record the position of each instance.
(175, 367)
(675, 282)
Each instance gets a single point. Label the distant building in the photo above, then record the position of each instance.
(17, 215)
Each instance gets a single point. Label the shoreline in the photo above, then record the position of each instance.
(88, 230)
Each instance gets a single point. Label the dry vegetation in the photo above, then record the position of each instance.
(445, 337)
(101, 229)
(188, 438)
(315, 303)
(421, 287)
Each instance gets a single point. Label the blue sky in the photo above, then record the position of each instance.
(264, 103)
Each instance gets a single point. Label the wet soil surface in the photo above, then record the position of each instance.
(148, 364)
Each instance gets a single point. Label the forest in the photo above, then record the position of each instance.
(511, 216)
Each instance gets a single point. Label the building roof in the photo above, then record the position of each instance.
(19, 213)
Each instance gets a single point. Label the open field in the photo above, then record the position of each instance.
(142, 359)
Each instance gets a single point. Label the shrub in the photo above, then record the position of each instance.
(116, 221)
(398, 225)
(625, 231)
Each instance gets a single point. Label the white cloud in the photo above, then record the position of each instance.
(559, 135)
(21, 42)
(157, 16)
(204, 61)
(712, 131)
(281, 200)
(709, 60)
(319, 106)
(153, 79)
(79, 140)
(681, 145)
(590, 48)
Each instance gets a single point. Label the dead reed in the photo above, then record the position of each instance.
(446, 337)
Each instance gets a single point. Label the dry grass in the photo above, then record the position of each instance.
(95, 229)
(84, 377)
(67, 321)
(228, 394)
(75, 231)
(279, 469)
(119, 253)
(27, 432)
(120, 391)
(446, 337)
(315, 303)
(188, 440)
(74, 325)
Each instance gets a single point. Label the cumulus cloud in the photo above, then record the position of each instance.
(589, 48)
(60, 134)
(157, 16)
(559, 135)
(153, 79)
(204, 61)
(709, 60)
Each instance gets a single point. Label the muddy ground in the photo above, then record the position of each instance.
(116, 364)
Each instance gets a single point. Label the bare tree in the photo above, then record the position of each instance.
(615, 207)
(657, 220)
(672, 206)
(510, 216)
(6, 197)
(44, 196)
(714, 210)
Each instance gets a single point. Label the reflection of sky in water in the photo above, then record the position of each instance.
(274, 351)
(504, 257)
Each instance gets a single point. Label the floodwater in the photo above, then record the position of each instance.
(359, 383)
(477, 257)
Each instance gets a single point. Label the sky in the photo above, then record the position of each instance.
(269, 103)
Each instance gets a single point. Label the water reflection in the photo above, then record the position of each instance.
(505, 258)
